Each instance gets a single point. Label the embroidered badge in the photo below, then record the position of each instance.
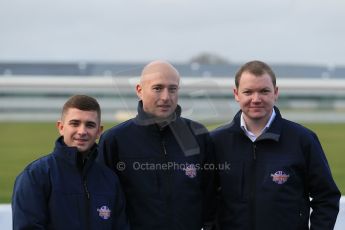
(190, 170)
(104, 212)
(280, 177)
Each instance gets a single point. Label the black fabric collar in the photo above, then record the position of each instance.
(273, 133)
(144, 118)
(179, 128)
(73, 156)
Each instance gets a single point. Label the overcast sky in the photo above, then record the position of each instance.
(275, 31)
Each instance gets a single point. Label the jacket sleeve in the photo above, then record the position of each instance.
(121, 221)
(210, 189)
(322, 189)
(29, 201)
(108, 151)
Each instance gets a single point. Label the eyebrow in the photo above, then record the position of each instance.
(73, 120)
(87, 122)
(162, 85)
(91, 122)
(259, 88)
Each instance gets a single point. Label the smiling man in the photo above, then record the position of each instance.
(279, 171)
(67, 189)
(159, 157)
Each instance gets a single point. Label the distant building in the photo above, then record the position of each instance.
(201, 66)
(36, 91)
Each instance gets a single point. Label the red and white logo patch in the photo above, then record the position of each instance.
(190, 171)
(280, 177)
(104, 212)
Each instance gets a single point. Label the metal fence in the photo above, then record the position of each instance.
(40, 98)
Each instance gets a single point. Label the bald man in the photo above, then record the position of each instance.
(161, 158)
(158, 89)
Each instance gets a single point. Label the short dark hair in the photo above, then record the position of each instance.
(257, 68)
(82, 102)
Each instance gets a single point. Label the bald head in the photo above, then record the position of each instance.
(159, 67)
(158, 88)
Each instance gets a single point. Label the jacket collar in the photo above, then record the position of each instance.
(72, 156)
(174, 124)
(145, 119)
(273, 133)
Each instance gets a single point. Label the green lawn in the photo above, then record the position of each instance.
(333, 142)
(21, 143)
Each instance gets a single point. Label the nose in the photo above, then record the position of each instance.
(165, 96)
(256, 97)
(82, 130)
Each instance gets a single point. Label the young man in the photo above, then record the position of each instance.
(67, 189)
(278, 168)
(159, 156)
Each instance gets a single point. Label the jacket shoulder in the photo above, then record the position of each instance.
(195, 126)
(222, 130)
(40, 164)
(297, 129)
(37, 172)
(119, 128)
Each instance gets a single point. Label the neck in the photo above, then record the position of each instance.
(255, 126)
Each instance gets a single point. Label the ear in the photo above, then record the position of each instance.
(236, 94)
(276, 93)
(100, 130)
(139, 91)
(60, 127)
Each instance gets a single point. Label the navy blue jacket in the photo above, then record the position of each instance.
(271, 180)
(58, 192)
(160, 171)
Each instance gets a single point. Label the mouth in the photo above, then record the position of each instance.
(164, 107)
(81, 141)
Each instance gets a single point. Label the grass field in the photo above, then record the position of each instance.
(21, 143)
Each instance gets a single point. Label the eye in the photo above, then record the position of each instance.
(247, 92)
(173, 89)
(91, 125)
(74, 123)
(265, 91)
(157, 88)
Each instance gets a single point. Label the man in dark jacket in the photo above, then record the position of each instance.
(278, 170)
(67, 189)
(160, 156)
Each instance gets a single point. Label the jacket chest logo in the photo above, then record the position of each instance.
(280, 177)
(190, 170)
(104, 212)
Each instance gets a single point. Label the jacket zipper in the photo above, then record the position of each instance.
(87, 203)
(166, 182)
(86, 190)
(164, 149)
